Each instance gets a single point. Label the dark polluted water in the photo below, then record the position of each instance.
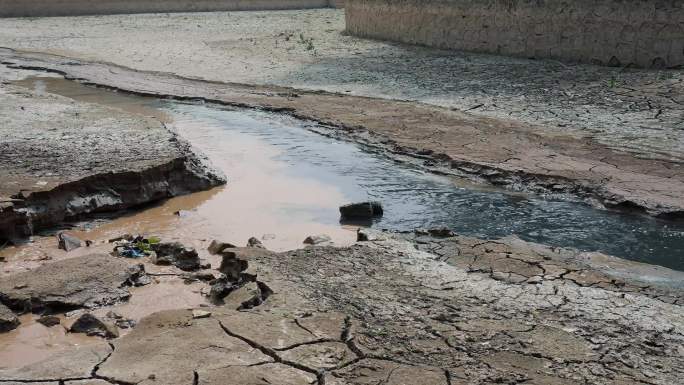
(411, 197)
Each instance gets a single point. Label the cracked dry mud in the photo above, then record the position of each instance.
(409, 308)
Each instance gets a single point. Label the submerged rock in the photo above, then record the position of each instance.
(320, 239)
(83, 282)
(49, 321)
(8, 320)
(68, 242)
(176, 254)
(93, 326)
(363, 210)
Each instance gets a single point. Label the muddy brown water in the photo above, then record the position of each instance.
(286, 182)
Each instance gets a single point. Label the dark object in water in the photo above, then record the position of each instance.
(363, 210)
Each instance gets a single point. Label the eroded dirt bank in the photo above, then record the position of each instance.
(501, 152)
(423, 307)
(62, 159)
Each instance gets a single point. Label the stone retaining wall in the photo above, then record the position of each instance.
(644, 33)
(33, 8)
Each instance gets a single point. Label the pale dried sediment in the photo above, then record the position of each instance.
(43, 8)
(623, 108)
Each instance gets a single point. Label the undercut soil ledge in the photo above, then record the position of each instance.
(61, 160)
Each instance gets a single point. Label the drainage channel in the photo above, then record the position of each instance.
(286, 182)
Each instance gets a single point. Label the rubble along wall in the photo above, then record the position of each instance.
(34, 8)
(645, 33)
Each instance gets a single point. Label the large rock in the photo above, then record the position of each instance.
(8, 320)
(89, 281)
(184, 258)
(361, 211)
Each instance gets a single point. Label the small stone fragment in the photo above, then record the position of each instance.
(199, 276)
(196, 314)
(317, 239)
(254, 242)
(68, 242)
(120, 321)
(125, 323)
(49, 321)
(182, 213)
(441, 232)
(217, 247)
(124, 237)
(363, 210)
(93, 326)
(114, 315)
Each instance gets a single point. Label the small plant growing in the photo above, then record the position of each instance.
(613, 81)
(308, 43)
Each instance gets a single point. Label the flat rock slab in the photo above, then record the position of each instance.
(262, 374)
(88, 281)
(72, 363)
(8, 320)
(281, 333)
(367, 372)
(230, 347)
(168, 347)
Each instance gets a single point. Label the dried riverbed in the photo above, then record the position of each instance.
(397, 308)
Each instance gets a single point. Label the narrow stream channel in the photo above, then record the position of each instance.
(285, 180)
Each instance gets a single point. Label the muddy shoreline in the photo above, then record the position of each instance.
(502, 153)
